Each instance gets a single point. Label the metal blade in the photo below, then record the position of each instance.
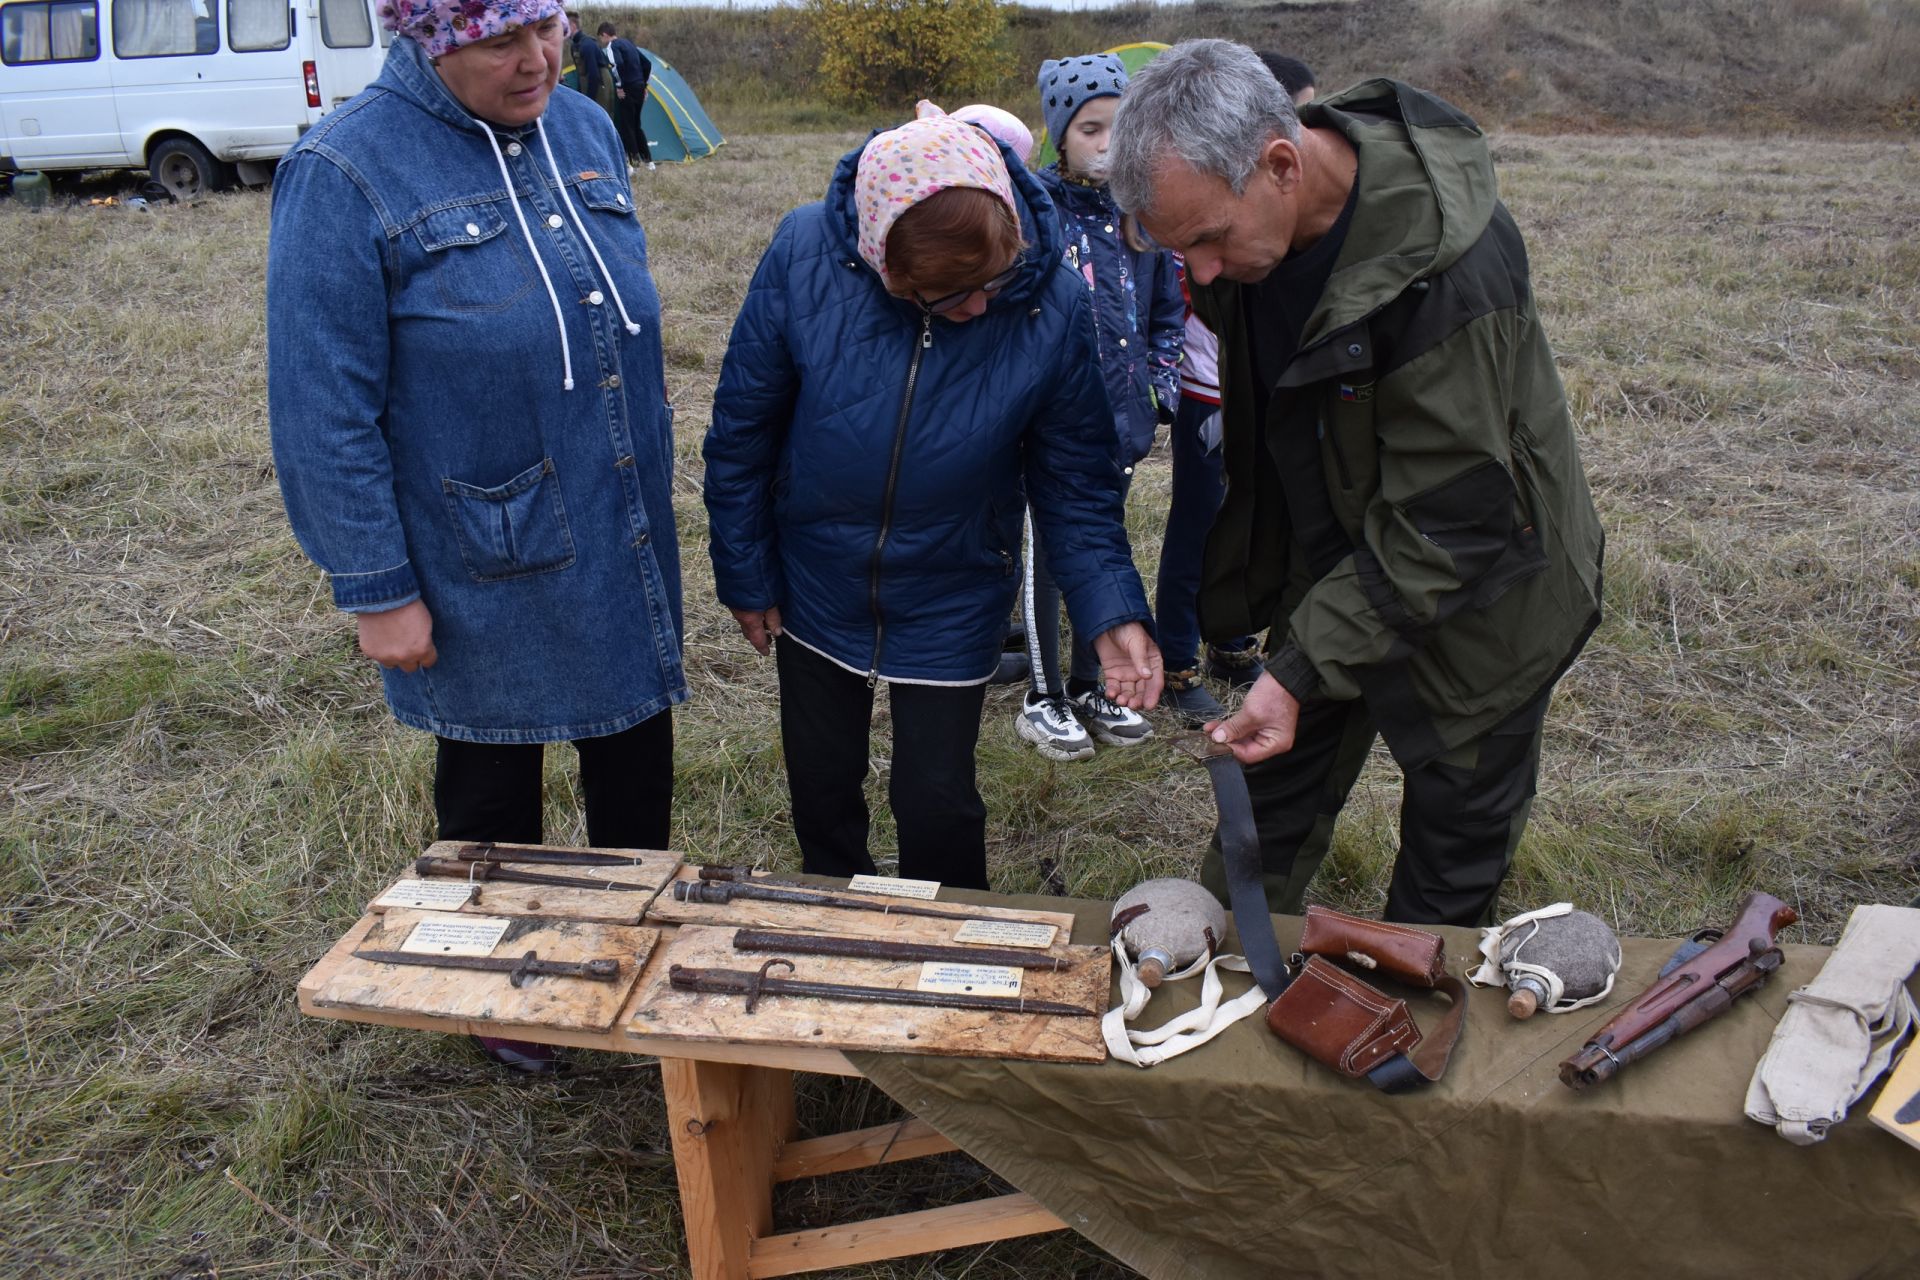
(721, 892)
(754, 986)
(527, 966)
(493, 872)
(546, 857)
(886, 949)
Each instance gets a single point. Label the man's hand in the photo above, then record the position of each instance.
(400, 637)
(1130, 661)
(1263, 726)
(621, 93)
(759, 626)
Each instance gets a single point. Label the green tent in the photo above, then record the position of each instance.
(1133, 57)
(678, 129)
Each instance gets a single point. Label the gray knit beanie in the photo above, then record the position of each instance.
(1068, 84)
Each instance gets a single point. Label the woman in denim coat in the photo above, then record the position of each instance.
(469, 417)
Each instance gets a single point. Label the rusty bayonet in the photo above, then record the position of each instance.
(721, 892)
(746, 875)
(518, 970)
(546, 857)
(804, 944)
(453, 868)
(757, 985)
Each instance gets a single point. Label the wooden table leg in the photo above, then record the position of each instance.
(727, 1123)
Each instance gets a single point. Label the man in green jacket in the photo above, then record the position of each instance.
(1406, 511)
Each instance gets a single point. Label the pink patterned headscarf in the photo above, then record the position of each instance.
(441, 26)
(904, 166)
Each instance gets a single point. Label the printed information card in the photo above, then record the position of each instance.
(894, 887)
(1007, 933)
(456, 936)
(433, 895)
(969, 979)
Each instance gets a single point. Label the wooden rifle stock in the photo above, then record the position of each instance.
(1694, 992)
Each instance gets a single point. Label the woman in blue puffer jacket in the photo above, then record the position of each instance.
(911, 350)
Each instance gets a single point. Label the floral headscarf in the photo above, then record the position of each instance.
(441, 26)
(903, 166)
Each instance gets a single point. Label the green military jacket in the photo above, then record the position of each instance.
(1445, 440)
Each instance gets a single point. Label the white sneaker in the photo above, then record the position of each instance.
(1049, 724)
(1113, 724)
(651, 166)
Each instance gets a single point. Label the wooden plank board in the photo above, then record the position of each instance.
(552, 1003)
(877, 923)
(877, 1239)
(1903, 1084)
(661, 1011)
(654, 870)
(908, 1139)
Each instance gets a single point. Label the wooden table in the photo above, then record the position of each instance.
(730, 1113)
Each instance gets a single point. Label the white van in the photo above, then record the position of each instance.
(195, 91)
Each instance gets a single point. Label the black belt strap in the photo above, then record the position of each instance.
(1240, 852)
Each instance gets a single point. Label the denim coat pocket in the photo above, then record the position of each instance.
(473, 264)
(512, 530)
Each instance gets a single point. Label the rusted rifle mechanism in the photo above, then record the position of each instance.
(721, 892)
(757, 985)
(1700, 983)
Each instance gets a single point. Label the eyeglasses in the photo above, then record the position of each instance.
(948, 302)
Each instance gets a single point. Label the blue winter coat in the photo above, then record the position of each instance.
(1139, 313)
(865, 461)
(427, 448)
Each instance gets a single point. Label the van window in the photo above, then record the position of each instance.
(61, 31)
(254, 25)
(344, 24)
(164, 28)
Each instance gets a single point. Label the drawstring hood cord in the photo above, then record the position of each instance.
(566, 198)
(559, 318)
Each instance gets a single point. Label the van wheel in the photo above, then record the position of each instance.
(185, 168)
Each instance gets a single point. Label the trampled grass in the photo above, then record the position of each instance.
(203, 786)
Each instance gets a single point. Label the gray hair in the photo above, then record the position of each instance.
(1209, 103)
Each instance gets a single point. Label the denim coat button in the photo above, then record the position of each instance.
(613, 380)
(513, 148)
(554, 220)
(596, 297)
(473, 228)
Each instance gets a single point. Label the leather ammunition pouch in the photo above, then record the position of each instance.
(1346, 1023)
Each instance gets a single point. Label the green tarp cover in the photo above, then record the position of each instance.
(1244, 1159)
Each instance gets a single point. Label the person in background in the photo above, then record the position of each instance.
(1406, 511)
(1138, 321)
(1002, 125)
(588, 59)
(632, 70)
(1295, 76)
(1198, 486)
(470, 423)
(909, 355)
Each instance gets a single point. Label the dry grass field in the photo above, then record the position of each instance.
(202, 786)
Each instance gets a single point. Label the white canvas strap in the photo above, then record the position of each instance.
(1187, 1031)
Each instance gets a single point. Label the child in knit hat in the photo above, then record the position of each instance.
(1139, 322)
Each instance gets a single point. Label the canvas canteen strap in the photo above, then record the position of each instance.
(1189, 1030)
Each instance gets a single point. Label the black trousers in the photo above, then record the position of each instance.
(825, 715)
(1461, 815)
(628, 121)
(491, 791)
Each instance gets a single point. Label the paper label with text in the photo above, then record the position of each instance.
(1007, 933)
(894, 887)
(434, 895)
(456, 936)
(969, 979)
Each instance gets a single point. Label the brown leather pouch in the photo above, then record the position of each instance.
(1340, 1021)
(1413, 956)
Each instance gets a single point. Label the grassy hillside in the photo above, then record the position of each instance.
(202, 786)
(1562, 65)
